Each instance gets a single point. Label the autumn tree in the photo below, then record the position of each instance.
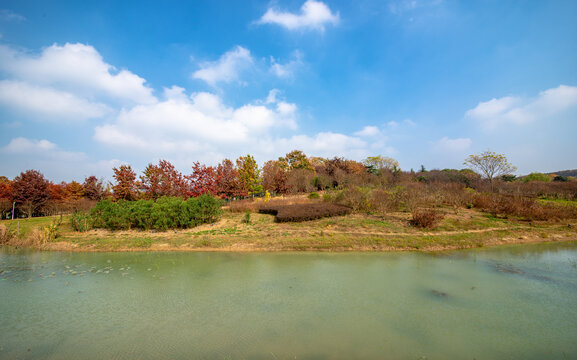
(228, 184)
(5, 196)
(295, 159)
(202, 180)
(74, 191)
(490, 165)
(162, 180)
(249, 174)
(30, 191)
(274, 177)
(126, 186)
(93, 188)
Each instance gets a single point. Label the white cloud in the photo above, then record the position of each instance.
(324, 144)
(452, 145)
(9, 15)
(520, 111)
(40, 149)
(75, 68)
(200, 121)
(369, 131)
(227, 68)
(313, 15)
(287, 70)
(47, 102)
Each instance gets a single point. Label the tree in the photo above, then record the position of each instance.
(249, 174)
(274, 177)
(294, 160)
(227, 182)
(377, 164)
(30, 191)
(490, 164)
(126, 186)
(5, 196)
(93, 188)
(74, 191)
(202, 180)
(162, 180)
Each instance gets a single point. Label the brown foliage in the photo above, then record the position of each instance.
(30, 191)
(523, 207)
(425, 218)
(125, 187)
(304, 212)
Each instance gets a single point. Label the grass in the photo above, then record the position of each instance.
(359, 232)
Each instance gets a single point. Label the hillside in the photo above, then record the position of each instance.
(566, 173)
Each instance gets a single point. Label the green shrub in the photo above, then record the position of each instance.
(162, 214)
(314, 195)
(537, 177)
(81, 221)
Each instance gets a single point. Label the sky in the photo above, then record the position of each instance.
(86, 86)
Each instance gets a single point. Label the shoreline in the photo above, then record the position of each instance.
(464, 229)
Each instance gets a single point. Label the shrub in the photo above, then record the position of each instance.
(81, 221)
(162, 214)
(314, 195)
(425, 218)
(304, 212)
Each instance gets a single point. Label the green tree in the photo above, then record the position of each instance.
(376, 164)
(490, 164)
(295, 160)
(249, 174)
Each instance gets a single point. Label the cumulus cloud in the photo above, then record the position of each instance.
(452, 145)
(227, 68)
(369, 131)
(41, 149)
(77, 68)
(519, 111)
(195, 122)
(313, 15)
(48, 103)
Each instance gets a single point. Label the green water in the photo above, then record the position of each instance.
(506, 303)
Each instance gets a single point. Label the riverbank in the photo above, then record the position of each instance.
(462, 229)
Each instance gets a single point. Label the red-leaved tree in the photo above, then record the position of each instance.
(30, 191)
(228, 184)
(93, 188)
(5, 196)
(202, 180)
(162, 180)
(125, 187)
(274, 177)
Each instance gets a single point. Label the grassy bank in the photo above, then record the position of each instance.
(466, 228)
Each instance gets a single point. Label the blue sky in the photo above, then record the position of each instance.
(87, 86)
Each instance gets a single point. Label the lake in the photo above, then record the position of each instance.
(517, 302)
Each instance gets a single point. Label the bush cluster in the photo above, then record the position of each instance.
(425, 218)
(304, 212)
(162, 214)
(523, 207)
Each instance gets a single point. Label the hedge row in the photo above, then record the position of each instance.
(162, 214)
(304, 212)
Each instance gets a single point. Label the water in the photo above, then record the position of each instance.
(507, 303)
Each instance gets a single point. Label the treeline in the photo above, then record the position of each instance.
(34, 195)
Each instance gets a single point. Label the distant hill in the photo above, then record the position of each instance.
(566, 173)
